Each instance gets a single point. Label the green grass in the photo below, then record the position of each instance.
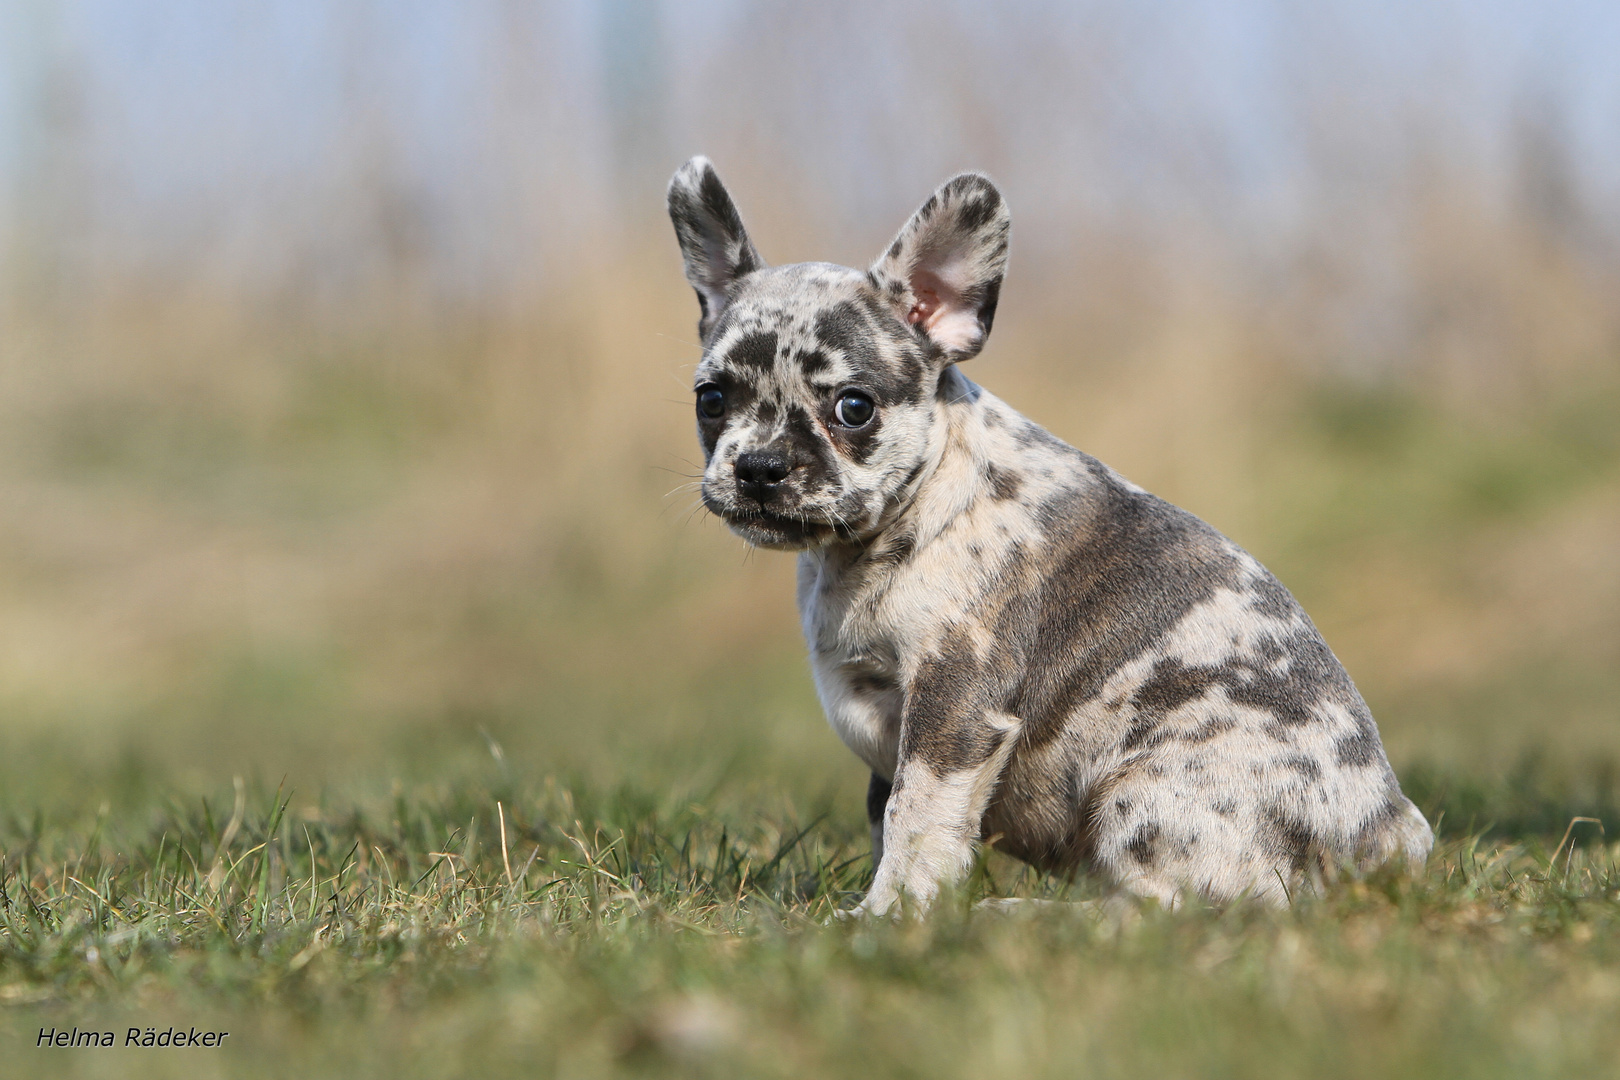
(650, 931)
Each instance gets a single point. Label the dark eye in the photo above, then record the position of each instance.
(854, 409)
(711, 402)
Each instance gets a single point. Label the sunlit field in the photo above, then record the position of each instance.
(374, 688)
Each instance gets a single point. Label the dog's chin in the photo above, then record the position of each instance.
(780, 533)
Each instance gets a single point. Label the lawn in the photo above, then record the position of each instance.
(486, 926)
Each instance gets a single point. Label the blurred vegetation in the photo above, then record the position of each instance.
(351, 456)
(342, 559)
(322, 458)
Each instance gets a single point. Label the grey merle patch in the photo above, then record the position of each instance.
(1019, 644)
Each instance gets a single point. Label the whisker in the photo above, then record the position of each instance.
(681, 340)
(690, 514)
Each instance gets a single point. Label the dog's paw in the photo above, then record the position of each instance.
(869, 908)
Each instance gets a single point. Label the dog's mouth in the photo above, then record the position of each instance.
(773, 525)
(765, 529)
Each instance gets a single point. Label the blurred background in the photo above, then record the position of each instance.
(345, 358)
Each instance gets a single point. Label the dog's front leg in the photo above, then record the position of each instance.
(948, 767)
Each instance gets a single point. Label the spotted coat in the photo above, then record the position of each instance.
(1023, 647)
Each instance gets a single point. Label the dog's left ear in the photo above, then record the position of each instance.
(943, 272)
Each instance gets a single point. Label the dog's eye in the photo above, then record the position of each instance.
(711, 402)
(854, 409)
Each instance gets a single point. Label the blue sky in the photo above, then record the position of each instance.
(224, 122)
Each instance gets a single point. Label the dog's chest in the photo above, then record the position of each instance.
(867, 622)
(855, 656)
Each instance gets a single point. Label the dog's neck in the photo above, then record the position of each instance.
(972, 430)
(953, 475)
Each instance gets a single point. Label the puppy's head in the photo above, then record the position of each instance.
(816, 395)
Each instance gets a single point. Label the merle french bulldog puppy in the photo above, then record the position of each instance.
(1020, 644)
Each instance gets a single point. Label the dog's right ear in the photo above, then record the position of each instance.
(713, 241)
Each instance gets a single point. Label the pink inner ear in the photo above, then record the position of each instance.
(941, 311)
(927, 303)
(934, 298)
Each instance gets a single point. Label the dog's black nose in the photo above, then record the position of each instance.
(760, 473)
